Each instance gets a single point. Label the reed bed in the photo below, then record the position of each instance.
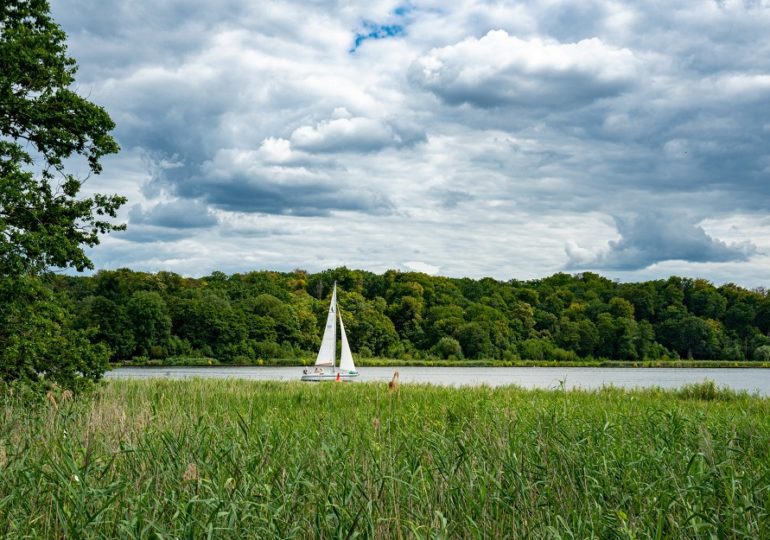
(241, 459)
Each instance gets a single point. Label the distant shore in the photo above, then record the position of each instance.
(397, 362)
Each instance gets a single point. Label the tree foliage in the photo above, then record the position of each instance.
(45, 222)
(43, 122)
(41, 343)
(245, 317)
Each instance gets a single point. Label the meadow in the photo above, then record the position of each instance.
(240, 459)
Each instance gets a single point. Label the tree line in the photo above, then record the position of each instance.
(63, 330)
(244, 318)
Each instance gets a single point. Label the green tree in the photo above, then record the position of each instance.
(406, 312)
(626, 336)
(208, 321)
(474, 340)
(703, 300)
(151, 323)
(366, 323)
(620, 307)
(40, 344)
(642, 296)
(645, 340)
(114, 327)
(690, 336)
(605, 327)
(270, 319)
(43, 222)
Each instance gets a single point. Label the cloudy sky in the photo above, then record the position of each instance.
(465, 138)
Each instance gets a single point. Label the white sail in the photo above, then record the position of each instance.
(328, 351)
(346, 357)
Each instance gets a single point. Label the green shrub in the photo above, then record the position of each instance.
(762, 353)
(448, 348)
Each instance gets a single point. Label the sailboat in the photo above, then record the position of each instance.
(325, 368)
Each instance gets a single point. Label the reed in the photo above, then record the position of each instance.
(242, 459)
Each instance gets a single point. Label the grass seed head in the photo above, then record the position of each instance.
(51, 400)
(191, 473)
(393, 384)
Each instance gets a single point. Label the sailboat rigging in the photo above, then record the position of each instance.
(325, 368)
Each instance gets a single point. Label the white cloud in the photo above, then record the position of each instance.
(500, 70)
(425, 268)
(355, 134)
(481, 139)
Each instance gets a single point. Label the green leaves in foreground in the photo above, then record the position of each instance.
(235, 459)
(39, 346)
(43, 222)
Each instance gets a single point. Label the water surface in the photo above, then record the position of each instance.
(749, 379)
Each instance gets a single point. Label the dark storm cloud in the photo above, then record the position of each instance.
(182, 214)
(655, 237)
(149, 234)
(245, 195)
(239, 181)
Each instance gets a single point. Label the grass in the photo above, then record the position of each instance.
(241, 459)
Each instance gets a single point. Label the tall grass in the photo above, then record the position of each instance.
(240, 459)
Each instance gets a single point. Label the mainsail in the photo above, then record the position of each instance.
(328, 351)
(346, 357)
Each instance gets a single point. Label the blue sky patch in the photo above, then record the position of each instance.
(377, 31)
(400, 11)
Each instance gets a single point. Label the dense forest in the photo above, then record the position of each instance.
(256, 316)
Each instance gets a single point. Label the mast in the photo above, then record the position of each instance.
(327, 354)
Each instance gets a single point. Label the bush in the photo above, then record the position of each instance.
(179, 347)
(511, 355)
(536, 349)
(562, 355)
(448, 348)
(762, 353)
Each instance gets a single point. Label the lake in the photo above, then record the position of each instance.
(749, 379)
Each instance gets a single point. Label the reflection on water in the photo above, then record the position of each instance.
(751, 380)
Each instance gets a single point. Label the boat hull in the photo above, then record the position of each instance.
(322, 377)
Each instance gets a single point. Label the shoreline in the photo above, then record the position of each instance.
(376, 362)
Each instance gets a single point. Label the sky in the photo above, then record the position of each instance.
(468, 138)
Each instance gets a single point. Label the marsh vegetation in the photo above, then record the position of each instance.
(234, 459)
